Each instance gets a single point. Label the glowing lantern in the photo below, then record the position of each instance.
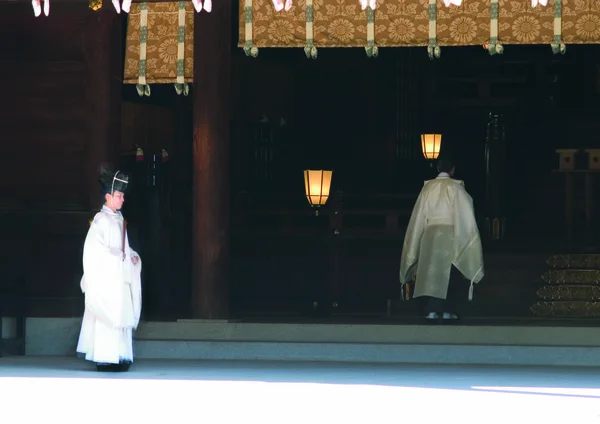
(430, 144)
(317, 184)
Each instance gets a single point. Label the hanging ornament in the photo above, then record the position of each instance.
(139, 154)
(447, 3)
(198, 5)
(95, 5)
(370, 3)
(125, 7)
(37, 7)
(164, 155)
(280, 5)
(534, 3)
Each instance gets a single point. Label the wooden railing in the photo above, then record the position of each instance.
(285, 257)
(350, 214)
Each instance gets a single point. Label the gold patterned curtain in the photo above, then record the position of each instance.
(342, 23)
(160, 45)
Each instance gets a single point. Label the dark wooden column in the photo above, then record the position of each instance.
(103, 63)
(211, 91)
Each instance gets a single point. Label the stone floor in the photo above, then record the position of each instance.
(41, 389)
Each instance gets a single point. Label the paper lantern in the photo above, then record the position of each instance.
(317, 184)
(430, 144)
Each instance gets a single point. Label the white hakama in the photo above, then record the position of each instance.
(113, 294)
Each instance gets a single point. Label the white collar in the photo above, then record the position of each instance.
(110, 211)
(443, 175)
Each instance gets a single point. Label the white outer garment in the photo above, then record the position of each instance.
(442, 232)
(113, 292)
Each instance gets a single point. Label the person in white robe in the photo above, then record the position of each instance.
(111, 283)
(441, 238)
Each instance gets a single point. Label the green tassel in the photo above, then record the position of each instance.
(182, 89)
(494, 49)
(143, 90)
(250, 49)
(434, 51)
(372, 50)
(559, 48)
(310, 52)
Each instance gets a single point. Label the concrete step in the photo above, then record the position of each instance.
(370, 353)
(417, 334)
(423, 344)
(384, 343)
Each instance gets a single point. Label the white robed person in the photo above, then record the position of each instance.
(442, 241)
(111, 282)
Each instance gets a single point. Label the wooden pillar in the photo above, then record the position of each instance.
(590, 227)
(569, 206)
(211, 103)
(102, 46)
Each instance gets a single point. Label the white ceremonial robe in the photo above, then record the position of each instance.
(113, 292)
(442, 232)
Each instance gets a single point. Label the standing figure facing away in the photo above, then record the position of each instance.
(111, 283)
(442, 234)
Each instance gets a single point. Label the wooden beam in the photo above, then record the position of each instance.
(211, 103)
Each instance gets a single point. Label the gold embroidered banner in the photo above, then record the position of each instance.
(342, 23)
(167, 51)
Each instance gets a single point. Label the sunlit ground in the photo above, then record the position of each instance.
(40, 390)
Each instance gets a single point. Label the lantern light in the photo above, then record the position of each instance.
(317, 184)
(430, 144)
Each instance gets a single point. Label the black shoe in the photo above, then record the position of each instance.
(107, 367)
(124, 366)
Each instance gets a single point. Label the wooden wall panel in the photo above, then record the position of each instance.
(43, 139)
(30, 39)
(148, 126)
(46, 143)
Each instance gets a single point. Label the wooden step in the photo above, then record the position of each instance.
(572, 276)
(570, 261)
(571, 309)
(572, 293)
